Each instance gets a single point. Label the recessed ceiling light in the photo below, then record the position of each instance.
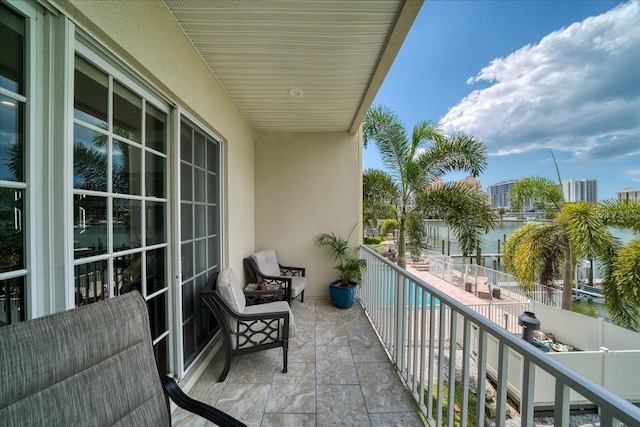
(296, 93)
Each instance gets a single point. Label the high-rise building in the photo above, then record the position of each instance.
(629, 194)
(580, 190)
(499, 193)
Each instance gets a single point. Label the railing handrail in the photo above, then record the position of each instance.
(613, 404)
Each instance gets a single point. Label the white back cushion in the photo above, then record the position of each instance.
(231, 291)
(267, 262)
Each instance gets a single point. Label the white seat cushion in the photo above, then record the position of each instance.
(297, 285)
(257, 327)
(267, 262)
(231, 291)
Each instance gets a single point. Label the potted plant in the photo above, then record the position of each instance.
(343, 291)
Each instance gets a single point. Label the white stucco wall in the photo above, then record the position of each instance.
(306, 184)
(144, 35)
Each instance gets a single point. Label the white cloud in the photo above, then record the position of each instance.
(577, 90)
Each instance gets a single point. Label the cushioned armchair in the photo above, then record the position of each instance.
(90, 366)
(247, 328)
(264, 267)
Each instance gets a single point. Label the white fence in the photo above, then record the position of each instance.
(445, 268)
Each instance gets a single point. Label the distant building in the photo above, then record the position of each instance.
(629, 194)
(580, 190)
(473, 181)
(499, 195)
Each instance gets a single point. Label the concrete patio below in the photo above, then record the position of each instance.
(339, 375)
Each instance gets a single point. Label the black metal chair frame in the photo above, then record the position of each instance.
(255, 332)
(285, 281)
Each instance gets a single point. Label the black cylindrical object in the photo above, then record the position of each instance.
(529, 323)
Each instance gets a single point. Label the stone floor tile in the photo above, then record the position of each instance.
(396, 419)
(334, 365)
(295, 391)
(382, 389)
(341, 405)
(289, 420)
(331, 333)
(246, 402)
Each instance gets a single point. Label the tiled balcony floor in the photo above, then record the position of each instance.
(339, 375)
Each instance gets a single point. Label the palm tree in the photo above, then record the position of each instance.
(379, 193)
(540, 252)
(416, 164)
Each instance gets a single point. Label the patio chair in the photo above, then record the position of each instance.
(90, 366)
(247, 328)
(264, 266)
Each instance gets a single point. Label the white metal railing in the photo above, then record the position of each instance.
(504, 314)
(445, 268)
(426, 331)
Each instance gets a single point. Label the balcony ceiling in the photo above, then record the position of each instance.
(298, 66)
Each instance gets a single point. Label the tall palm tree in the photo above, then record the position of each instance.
(541, 252)
(416, 163)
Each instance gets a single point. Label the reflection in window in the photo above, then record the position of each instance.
(126, 161)
(155, 223)
(127, 221)
(155, 129)
(11, 230)
(89, 159)
(90, 281)
(127, 113)
(155, 270)
(154, 175)
(11, 139)
(128, 273)
(91, 99)
(12, 300)
(89, 225)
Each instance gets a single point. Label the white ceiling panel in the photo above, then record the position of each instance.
(332, 54)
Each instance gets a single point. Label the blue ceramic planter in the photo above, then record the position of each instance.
(343, 297)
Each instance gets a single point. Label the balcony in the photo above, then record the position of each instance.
(340, 374)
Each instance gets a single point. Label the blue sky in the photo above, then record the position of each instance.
(527, 77)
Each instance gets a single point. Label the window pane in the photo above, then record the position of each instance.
(187, 260)
(12, 301)
(212, 188)
(89, 225)
(155, 223)
(90, 281)
(127, 273)
(11, 230)
(199, 151)
(89, 159)
(11, 139)
(12, 58)
(186, 182)
(186, 222)
(201, 256)
(127, 113)
(91, 94)
(127, 222)
(126, 161)
(212, 156)
(199, 185)
(155, 270)
(213, 218)
(158, 315)
(188, 301)
(154, 176)
(213, 252)
(161, 353)
(200, 220)
(155, 129)
(186, 148)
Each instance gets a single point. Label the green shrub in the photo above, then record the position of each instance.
(372, 240)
